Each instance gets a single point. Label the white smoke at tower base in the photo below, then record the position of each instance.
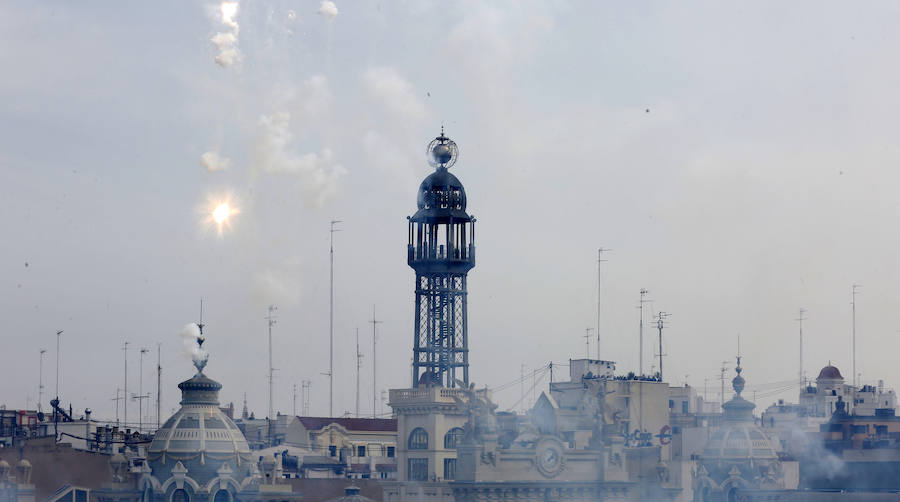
(189, 336)
(212, 161)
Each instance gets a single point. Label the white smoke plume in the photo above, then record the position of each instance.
(328, 9)
(189, 335)
(226, 42)
(394, 92)
(212, 161)
(318, 173)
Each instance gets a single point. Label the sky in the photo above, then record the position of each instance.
(739, 160)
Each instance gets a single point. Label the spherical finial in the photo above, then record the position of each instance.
(442, 152)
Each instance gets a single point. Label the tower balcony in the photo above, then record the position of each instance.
(441, 258)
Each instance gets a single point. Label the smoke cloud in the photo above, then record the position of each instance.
(226, 42)
(318, 173)
(212, 161)
(189, 335)
(328, 9)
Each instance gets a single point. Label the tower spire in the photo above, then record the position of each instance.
(441, 250)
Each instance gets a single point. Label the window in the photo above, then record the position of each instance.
(390, 452)
(418, 439)
(222, 496)
(332, 450)
(452, 438)
(449, 468)
(684, 407)
(671, 404)
(360, 451)
(417, 469)
(180, 495)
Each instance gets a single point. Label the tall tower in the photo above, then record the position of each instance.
(442, 251)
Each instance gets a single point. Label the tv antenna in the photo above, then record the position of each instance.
(587, 342)
(375, 323)
(660, 324)
(270, 319)
(800, 320)
(359, 357)
(330, 373)
(644, 293)
(600, 261)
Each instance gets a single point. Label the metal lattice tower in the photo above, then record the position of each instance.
(442, 251)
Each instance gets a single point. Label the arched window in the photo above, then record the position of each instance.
(148, 495)
(222, 496)
(453, 437)
(180, 495)
(418, 439)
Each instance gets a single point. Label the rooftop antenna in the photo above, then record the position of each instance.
(853, 304)
(117, 399)
(358, 365)
(587, 343)
(331, 319)
(125, 352)
(41, 380)
(660, 323)
(294, 408)
(141, 396)
(722, 378)
(56, 411)
(600, 261)
(800, 320)
(375, 323)
(304, 395)
(270, 318)
(641, 332)
(158, 382)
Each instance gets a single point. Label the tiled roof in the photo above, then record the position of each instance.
(351, 424)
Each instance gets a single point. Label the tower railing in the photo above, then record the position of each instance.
(451, 253)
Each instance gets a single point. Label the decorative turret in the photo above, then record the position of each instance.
(738, 409)
(441, 250)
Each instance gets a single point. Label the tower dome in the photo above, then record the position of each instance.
(739, 440)
(441, 194)
(199, 435)
(830, 373)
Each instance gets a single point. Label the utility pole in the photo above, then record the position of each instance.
(270, 318)
(800, 320)
(125, 352)
(358, 365)
(660, 322)
(600, 261)
(158, 382)
(141, 392)
(331, 320)
(41, 381)
(375, 323)
(587, 343)
(853, 303)
(641, 333)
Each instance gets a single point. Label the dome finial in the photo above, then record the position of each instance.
(738, 382)
(442, 151)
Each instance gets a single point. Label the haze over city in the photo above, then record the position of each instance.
(739, 161)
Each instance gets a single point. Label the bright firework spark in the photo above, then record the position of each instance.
(229, 10)
(219, 212)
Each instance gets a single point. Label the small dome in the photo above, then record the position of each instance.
(739, 441)
(442, 190)
(830, 373)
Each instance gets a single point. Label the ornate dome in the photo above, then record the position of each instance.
(739, 439)
(199, 435)
(441, 195)
(830, 373)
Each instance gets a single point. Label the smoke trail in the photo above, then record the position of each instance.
(212, 161)
(318, 173)
(226, 42)
(189, 335)
(328, 9)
